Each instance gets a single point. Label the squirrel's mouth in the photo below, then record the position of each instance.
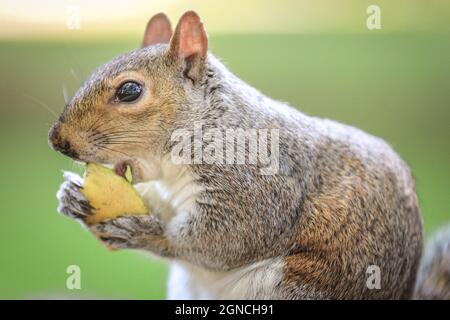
(121, 169)
(128, 170)
(125, 170)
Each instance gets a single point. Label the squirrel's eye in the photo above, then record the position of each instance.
(128, 92)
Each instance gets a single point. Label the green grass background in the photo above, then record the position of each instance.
(396, 86)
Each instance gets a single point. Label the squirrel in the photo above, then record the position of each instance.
(340, 203)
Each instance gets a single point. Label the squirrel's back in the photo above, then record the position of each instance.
(343, 200)
(360, 216)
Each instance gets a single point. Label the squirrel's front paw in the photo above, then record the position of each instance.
(72, 203)
(128, 232)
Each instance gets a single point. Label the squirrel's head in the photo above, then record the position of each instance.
(123, 112)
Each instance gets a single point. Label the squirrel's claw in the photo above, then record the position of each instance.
(127, 232)
(72, 203)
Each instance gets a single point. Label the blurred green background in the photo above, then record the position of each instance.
(392, 82)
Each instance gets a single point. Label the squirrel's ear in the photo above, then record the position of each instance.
(158, 30)
(189, 44)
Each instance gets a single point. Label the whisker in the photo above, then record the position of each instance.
(73, 73)
(125, 142)
(116, 126)
(133, 134)
(112, 132)
(117, 140)
(162, 128)
(113, 150)
(135, 131)
(42, 104)
(118, 136)
(98, 125)
(130, 131)
(65, 95)
(94, 124)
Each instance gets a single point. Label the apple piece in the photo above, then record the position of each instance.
(109, 194)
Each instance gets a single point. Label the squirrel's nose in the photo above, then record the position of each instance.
(57, 143)
(53, 135)
(65, 148)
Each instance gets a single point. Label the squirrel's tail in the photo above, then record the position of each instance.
(433, 278)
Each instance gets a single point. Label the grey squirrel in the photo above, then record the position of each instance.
(340, 202)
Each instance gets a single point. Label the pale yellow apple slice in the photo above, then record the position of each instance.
(109, 194)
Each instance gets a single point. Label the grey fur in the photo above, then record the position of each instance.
(433, 280)
(342, 200)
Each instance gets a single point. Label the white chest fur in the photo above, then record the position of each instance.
(255, 281)
(172, 195)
